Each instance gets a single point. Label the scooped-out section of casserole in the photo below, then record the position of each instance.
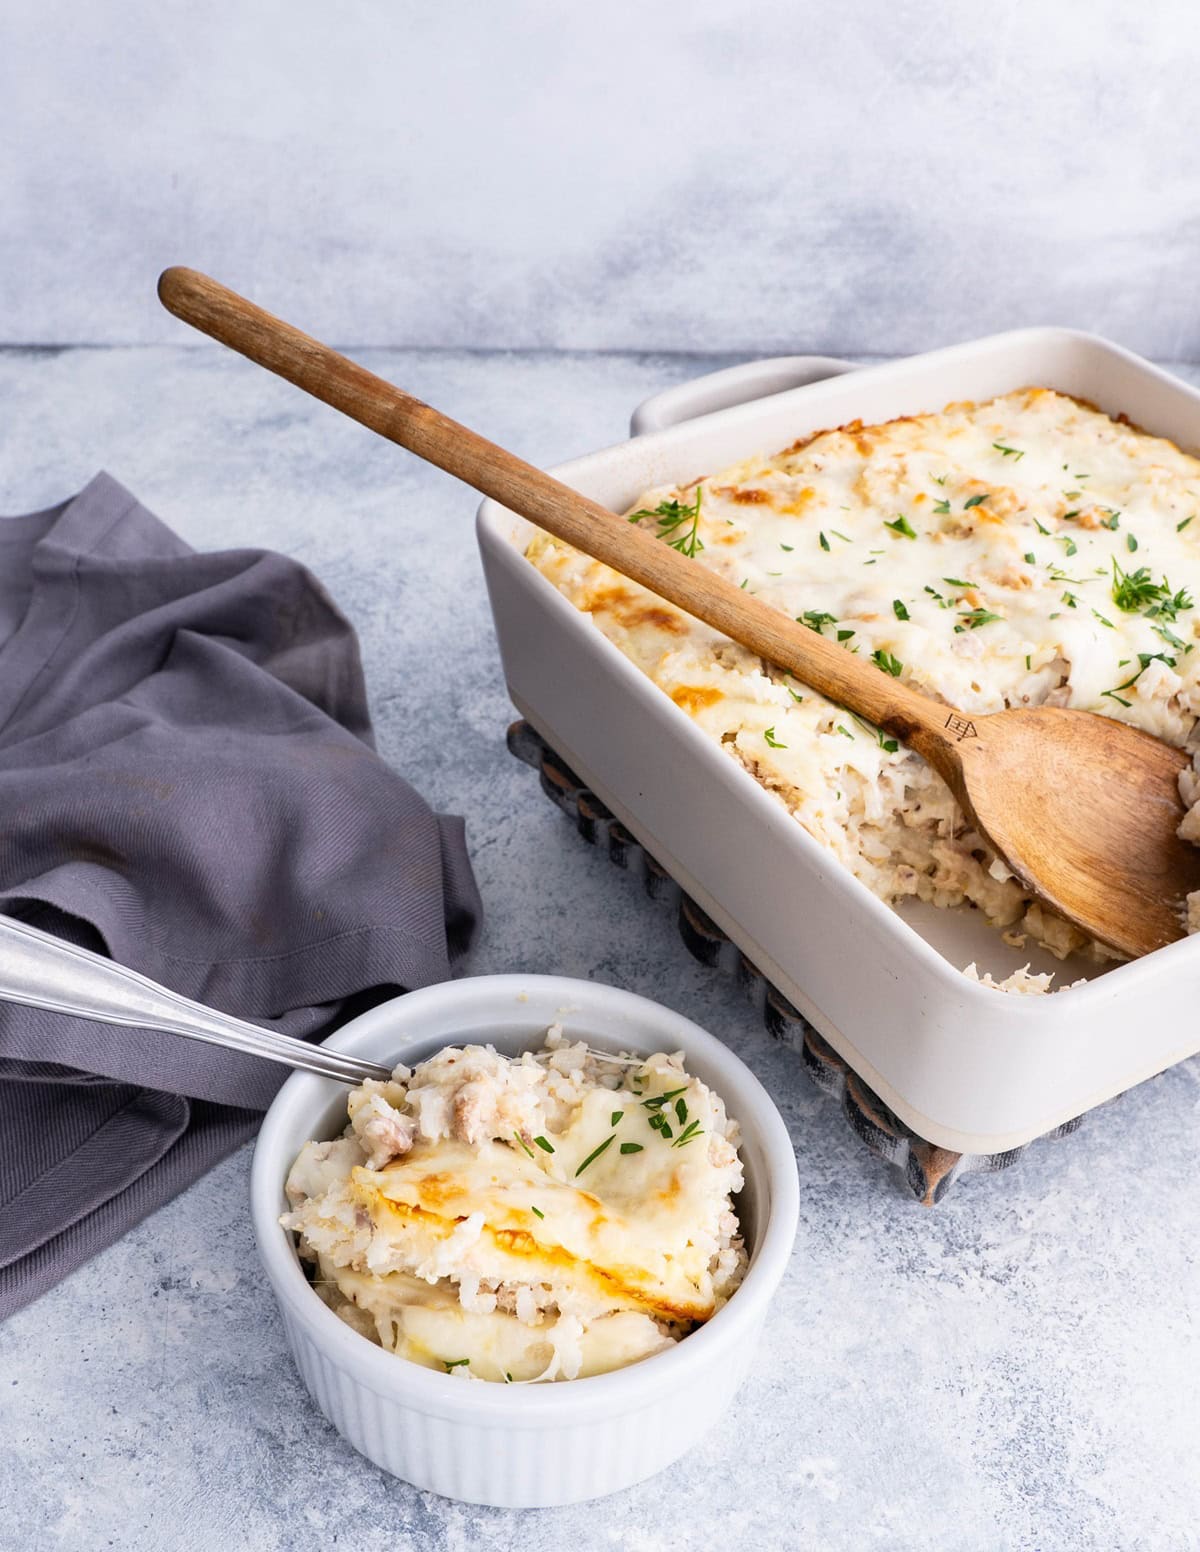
(1025, 551)
(543, 1217)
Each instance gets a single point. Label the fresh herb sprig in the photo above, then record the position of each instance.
(974, 618)
(1136, 592)
(889, 664)
(1144, 659)
(595, 1154)
(671, 517)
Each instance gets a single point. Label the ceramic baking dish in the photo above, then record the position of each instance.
(969, 1068)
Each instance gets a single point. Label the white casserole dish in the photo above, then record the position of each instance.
(971, 1069)
(525, 1446)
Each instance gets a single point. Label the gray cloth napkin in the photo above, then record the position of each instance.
(188, 783)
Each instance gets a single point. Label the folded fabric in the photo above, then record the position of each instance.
(188, 783)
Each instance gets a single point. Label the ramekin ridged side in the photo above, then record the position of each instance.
(501, 1463)
(525, 1446)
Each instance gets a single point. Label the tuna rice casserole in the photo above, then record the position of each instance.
(1025, 551)
(516, 1219)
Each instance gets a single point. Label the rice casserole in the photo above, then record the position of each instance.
(525, 1219)
(1025, 551)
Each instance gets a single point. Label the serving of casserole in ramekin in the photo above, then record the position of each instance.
(451, 1422)
(968, 1067)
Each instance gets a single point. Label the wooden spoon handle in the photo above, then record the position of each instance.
(546, 502)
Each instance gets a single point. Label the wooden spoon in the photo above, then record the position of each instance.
(1081, 808)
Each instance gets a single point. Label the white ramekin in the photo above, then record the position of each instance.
(529, 1446)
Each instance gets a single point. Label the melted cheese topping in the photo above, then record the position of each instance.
(536, 1220)
(1025, 551)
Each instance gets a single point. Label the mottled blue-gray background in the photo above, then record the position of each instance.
(534, 215)
(865, 175)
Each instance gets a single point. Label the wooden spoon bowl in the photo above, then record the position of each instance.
(1081, 808)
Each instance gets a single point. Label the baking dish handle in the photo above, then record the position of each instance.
(732, 385)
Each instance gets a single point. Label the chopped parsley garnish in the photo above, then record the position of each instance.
(1179, 527)
(902, 527)
(844, 635)
(454, 1363)
(974, 501)
(1102, 620)
(671, 516)
(772, 741)
(594, 1154)
(1069, 515)
(977, 617)
(788, 547)
(1130, 543)
(681, 1112)
(1113, 519)
(824, 541)
(958, 582)
(941, 507)
(816, 620)
(889, 664)
(1070, 600)
(843, 536)
(1145, 659)
(1030, 558)
(1136, 592)
(1071, 547)
(888, 744)
(899, 610)
(537, 1212)
(689, 1134)
(1170, 638)
(1028, 664)
(796, 696)
(1040, 529)
(1118, 698)
(657, 1101)
(615, 1117)
(523, 1144)
(845, 732)
(1009, 452)
(543, 1145)
(631, 1147)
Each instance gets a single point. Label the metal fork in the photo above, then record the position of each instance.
(41, 971)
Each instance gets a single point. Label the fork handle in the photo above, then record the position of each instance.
(42, 971)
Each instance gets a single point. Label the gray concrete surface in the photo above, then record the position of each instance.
(1016, 1369)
